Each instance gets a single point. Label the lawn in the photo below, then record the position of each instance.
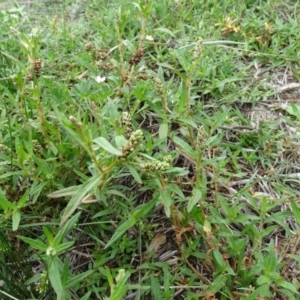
(150, 150)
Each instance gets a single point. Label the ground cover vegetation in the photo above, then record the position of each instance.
(150, 150)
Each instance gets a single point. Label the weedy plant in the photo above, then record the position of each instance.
(149, 150)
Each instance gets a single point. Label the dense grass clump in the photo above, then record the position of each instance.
(150, 150)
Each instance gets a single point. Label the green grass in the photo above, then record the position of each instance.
(149, 150)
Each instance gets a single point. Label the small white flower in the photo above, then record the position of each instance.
(121, 274)
(100, 79)
(34, 32)
(149, 38)
(50, 251)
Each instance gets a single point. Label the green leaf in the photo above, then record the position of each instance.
(87, 296)
(48, 235)
(263, 279)
(296, 211)
(178, 171)
(23, 200)
(187, 122)
(9, 174)
(75, 280)
(34, 243)
(219, 260)
(109, 277)
(165, 30)
(5, 204)
(76, 199)
(214, 141)
(197, 215)
(163, 131)
(184, 147)
(121, 230)
(143, 209)
(194, 199)
(36, 189)
(167, 280)
(65, 271)
(246, 218)
(69, 128)
(55, 278)
(116, 193)
(106, 145)
(166, 201)
(134, 173)
(220, 119)
(262, 292)
(289, 286)
(65, 229)
(294, 110)
(62, 247)
(120, 141)
(65, 192)
(16, 217)
(217, 284)
(180, 74)
(21, 154)
(136, 214)
(267, 231)
(182, 58)
(289, 295)
(16, 60)
(137, 6)
(155, 287)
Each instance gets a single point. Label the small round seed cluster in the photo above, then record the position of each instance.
(198, 49)
(88, 47)
(49, 176)
(168, 159)
(75, 122)
(37, 64)
(101, 55)
(37, 147)
(133, 142)
(36, 69)
(158, 85)
(158, 166)
(142, 76)
(126, 121)
(136, 57)
(4, 149)
(117, 19)
(104, 66)
(201, 138)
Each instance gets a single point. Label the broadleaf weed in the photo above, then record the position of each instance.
(147, 119)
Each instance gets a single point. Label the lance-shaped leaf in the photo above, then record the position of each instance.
(134, 217)
(76, 199)
(106, 145)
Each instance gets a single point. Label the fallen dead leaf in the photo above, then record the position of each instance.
(156, 243)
